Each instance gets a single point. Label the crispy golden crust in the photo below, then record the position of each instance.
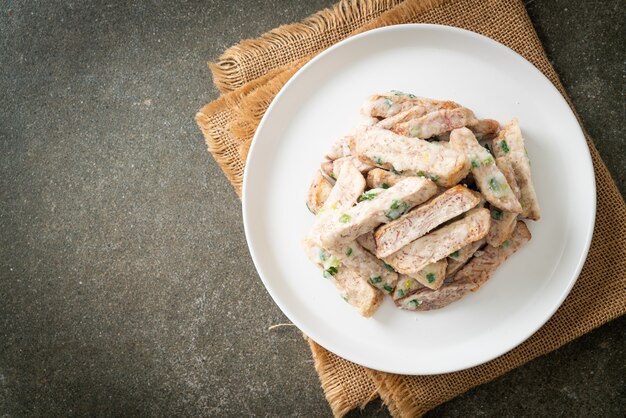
(377, 178)
(485, 128)
(318, 192)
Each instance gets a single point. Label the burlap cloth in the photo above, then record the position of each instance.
(251, 73)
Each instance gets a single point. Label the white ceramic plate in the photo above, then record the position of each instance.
(321, 102)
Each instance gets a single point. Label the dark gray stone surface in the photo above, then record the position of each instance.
(121, 243)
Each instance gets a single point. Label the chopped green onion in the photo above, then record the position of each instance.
(334, 263)
(507, 243)
(388, 267)
(392, 215)
(344, 218)
(504, 146)
(430, 277)
(415, 303)
(370, 195)
(496, 214)
(399, 293)
(396, 209)
(420, 173)
(385, 186)
(388, 288)
(494, 185)
(323, 255)
(396, 172)
(332, 175)
(378, 160)
(349, 251)
(376, 279)
(402, 94)
(330, 271)
(344, 297)
(389, 101)
(475, 164)
(414, 131)
(454, 254)
(488, 161)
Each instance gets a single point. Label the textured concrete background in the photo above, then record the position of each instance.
(122, 246)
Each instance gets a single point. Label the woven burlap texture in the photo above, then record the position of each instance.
(254, 71)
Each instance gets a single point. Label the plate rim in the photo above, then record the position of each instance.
(588, 163)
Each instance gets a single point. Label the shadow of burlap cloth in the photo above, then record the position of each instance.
(251, 73)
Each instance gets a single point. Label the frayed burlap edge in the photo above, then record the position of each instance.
(249, 112)
(234, 67)
(402, 13)
(338, 388)
(215, 120)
